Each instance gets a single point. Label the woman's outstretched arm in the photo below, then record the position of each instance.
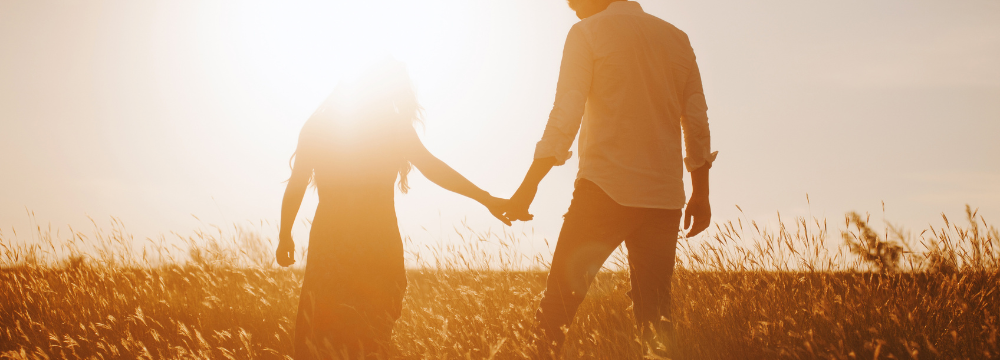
(290, 204)
(444, 176)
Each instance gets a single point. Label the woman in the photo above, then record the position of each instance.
(353, 148)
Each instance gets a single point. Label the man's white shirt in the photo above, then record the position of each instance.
(632, 81)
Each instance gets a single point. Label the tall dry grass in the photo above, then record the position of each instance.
(796, 289)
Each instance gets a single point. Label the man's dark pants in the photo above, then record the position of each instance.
(594, 227)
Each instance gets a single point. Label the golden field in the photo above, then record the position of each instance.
(789, 291)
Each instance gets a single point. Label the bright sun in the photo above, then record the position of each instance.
(295, 53)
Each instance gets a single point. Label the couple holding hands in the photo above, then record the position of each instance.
(630, 86)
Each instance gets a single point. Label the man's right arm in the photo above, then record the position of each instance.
(575, 76)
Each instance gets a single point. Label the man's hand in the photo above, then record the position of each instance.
(700, 210)
(498, 207)
(285, 255)
(519, 203)
(525, 194)
(698, 207)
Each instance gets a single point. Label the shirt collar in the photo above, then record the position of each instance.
(624, 7)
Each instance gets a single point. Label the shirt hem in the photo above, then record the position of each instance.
(634, 205)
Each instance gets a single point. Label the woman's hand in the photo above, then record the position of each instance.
(285, 255)
(497, 207)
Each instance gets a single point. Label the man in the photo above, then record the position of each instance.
(631, 79)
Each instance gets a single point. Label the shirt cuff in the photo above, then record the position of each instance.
(542, 151)
(695, 164)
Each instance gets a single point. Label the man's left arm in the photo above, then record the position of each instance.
(698, 148)
(698, 207)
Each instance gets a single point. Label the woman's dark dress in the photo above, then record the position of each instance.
(354, 279)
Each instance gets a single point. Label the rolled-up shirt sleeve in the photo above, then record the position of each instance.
(575, 75)
(694, 122)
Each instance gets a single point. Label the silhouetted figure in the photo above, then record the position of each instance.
(353, 148)
(636, 79)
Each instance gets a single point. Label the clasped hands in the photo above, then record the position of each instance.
(513, 209)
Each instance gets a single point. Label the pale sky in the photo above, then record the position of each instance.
(152, 111)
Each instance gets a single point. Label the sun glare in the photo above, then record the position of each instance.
(295, 54)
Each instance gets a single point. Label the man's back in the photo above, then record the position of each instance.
(635, 77)
(638, 78)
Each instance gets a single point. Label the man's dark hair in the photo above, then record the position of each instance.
(575, 4)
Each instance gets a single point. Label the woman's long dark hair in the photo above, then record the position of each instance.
(384, 89)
